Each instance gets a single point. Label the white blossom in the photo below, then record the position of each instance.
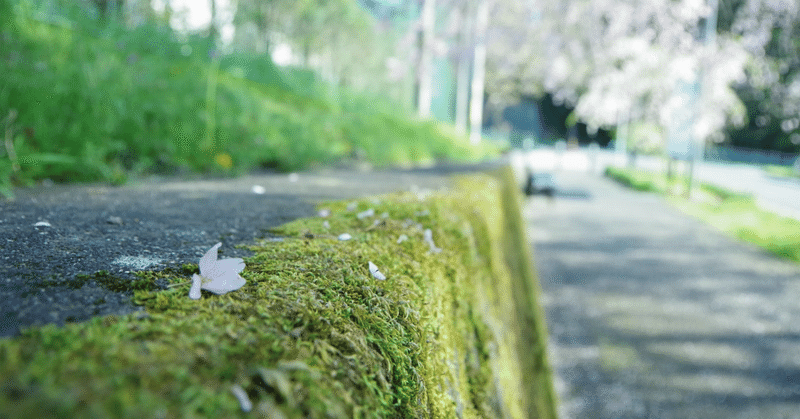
(217, 276)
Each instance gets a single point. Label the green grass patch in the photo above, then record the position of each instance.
(735, 214)
(782, 171)
(83, 100)
(312, 334)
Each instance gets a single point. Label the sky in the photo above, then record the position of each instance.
(193, 15)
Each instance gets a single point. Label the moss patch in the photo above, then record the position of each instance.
(312, 334)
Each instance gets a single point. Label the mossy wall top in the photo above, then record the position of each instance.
(450, 333)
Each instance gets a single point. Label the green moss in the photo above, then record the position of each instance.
(312, 333)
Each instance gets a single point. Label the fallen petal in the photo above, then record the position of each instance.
(230, 281)
(42, 224)
(197, 282)
(324, 213)
(234, 264)
(364, 214)
(218, 276)
(375, 272)
(241, 396)
(345, 237)
(258, 190)
(208, 261)
(402, 238)
(428, 237)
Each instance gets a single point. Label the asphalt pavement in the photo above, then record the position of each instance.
(653, 314)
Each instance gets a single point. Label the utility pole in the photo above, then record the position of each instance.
(478, 73)
(710, 44)
(425, 75)
(464, 67)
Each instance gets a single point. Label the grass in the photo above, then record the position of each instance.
(782, 171)
(84, 101)
(311, 334)
(735, 214)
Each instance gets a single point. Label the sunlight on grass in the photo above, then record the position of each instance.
(735, 214)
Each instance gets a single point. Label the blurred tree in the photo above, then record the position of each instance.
(110, 9)
(337, 38)
(770, 32)
(616, 60)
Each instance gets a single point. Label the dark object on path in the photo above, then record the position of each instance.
(540, 184)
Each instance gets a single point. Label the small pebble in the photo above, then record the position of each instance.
(114, 220)
(42, 224)
(258, 190)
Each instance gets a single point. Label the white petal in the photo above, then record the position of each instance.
(258, 190)
(324, 213)
(42, 224)
(194, 292)
(428, 237)
(241, 395)
(219, 276)
(402, 238)
(345, 237)
(208, 261)
(375, 272)
(230, 281)
(326, 224)
(235, 264)
(364, 214)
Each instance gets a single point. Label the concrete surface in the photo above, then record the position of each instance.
(49, 235)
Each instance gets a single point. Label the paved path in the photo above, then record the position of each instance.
(653, 314)
(778, 195)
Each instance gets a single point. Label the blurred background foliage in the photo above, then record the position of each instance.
(105, 89)
(619, 64)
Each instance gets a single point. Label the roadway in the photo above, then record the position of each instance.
(775, 194)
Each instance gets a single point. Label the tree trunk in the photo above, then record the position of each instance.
(478, 72)
(213, 33)
(425, 75)
(462, 73)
